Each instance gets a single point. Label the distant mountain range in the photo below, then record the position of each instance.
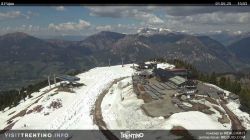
(25, 59)
(64, 37)
(241, 49)
(226, 38)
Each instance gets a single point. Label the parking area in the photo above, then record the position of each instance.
(164, 107)
(161, 94)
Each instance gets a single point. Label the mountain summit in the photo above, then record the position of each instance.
(152, 31)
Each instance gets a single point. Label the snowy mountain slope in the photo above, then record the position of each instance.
(120, 107)
(74, 112)
(152, 31)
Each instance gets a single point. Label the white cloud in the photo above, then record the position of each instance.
(60, 8)
(108, 11)
(81, 24)
(237, 32)
(16, 14)
(143, 14)
(10, 15)
(193, 10)
(103, 28)
(145, 17)
(219, 18)
(30, 29)
(30, 13)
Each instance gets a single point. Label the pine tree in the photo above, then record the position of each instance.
(213, 79)
(222, 82)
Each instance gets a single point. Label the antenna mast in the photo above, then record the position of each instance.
(49, 82)
(122, 61)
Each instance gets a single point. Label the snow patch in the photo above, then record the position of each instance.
(242, 116)
(165, 66)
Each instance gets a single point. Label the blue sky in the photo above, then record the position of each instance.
(87, 20)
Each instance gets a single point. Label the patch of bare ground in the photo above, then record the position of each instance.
(219, 110)
(8, 127)
(238, 130)
(23, 112)
(37, 109)
(201, 107)
(96, 111)
(47, 91)
(141, 94)
(35, 102)
(64, 89)
(148, 114)
(181, 131)
(167, 116)
(213, 101)
(236, 123)
(198, 97)
(53, 94)
(224, 101)
(47, 113)
(207, 111)
(20, 114)
(140, 87)
(9, 121)
(55, 104)
(224, 119)
(11, 113)
(145, 97)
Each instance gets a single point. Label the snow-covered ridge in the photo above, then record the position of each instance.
(152, 31)
(76, 107)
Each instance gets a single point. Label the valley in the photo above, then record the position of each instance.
(28, 59)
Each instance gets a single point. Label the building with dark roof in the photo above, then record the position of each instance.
(180, 72)
(162, 75)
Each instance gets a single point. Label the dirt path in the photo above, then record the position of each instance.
(97, 112)
(238, 130)
(236, 124)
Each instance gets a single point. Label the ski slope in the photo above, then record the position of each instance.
(76, 107)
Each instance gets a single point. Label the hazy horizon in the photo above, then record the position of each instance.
(88, 20)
